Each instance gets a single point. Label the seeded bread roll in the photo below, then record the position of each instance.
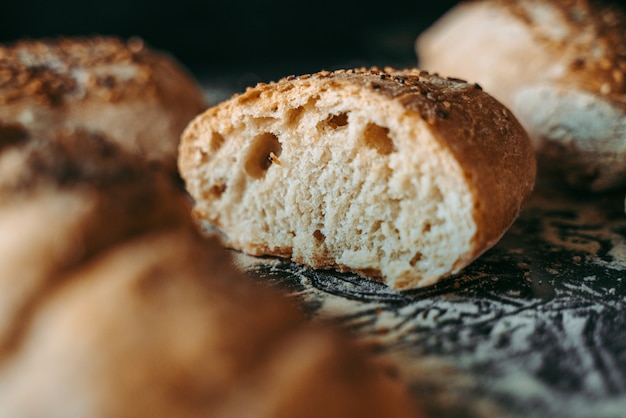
(558, 65)
(135, 96)
(400, 176)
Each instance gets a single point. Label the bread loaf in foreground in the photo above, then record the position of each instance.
(134, 95)
(558, 65)
(400, 176)
(64, 199)
(162, 325)
(113, 305)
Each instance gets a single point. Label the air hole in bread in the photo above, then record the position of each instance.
(336, 121)
(263, 152)
(426, 228)
(216, 142)
(294, 115)
(215, 192)
(263, 120)
(377, 137)
(416, 258)
(319, 235)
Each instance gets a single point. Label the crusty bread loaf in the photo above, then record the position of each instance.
(163, 326)
(558, 65)
(64, 199)
(400, 176)
(113, 305)
(136, 96)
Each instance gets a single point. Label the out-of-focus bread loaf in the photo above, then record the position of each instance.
(558, 65)
(64, 199)
(113, 305)
(401, 176)
(163, 326)
(136, 96)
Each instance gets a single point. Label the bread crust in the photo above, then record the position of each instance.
(492, 150)
(136, 96)
(522, 51)
(490, 145)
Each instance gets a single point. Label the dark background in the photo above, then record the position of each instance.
(260, 41)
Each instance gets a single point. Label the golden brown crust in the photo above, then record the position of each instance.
(558, 65)
(134, 95)
(504, 149)
(597, 50)
(49, 71)
(81, 162)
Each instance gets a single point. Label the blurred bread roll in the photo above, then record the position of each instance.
(136, 96)
(64, 199)
(558, 65)
(112, 304)
(162, 326)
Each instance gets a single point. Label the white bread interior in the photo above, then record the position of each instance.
(332, 173)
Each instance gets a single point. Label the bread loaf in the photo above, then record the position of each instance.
(64, 199)
(558, 65)
(162, 326)
(136, 96)
(400, 176)
(112, 304)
